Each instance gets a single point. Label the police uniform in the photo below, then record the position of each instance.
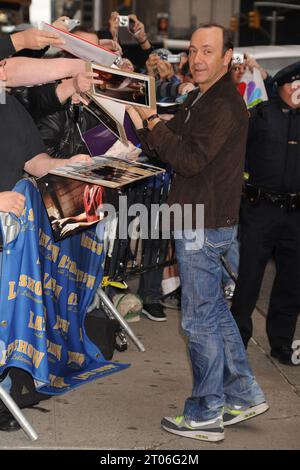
(270, 220)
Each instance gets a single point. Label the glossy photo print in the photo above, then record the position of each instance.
(107, 171)
(126, 87)
(71, 205)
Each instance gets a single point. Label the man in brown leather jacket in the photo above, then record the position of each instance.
(205, 144)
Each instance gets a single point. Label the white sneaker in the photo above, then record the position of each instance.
(212, 431)
(235, 414)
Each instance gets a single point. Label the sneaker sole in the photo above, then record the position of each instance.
(170, 306)
(251, 413)
(198, 435)
(148, 315)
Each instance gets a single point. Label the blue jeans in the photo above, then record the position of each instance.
(221, 371)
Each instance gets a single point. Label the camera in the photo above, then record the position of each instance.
(123, 21)
(71, 24)
(126, 22)
(238, 58)
(172, 58)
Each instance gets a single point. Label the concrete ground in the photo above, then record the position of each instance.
(124, 410)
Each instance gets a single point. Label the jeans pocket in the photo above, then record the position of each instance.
(220, 237)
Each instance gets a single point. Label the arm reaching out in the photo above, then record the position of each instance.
(23, 71)
(41, 164)
(36, 39)
(79, 84)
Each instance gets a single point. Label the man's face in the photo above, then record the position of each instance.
(206, 59)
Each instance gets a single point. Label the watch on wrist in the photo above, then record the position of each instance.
(149, 119)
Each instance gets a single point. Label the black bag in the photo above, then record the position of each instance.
(23, 389)
(102, 331)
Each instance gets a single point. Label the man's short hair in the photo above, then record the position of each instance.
(227, 36)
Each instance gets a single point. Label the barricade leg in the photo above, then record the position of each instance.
(18, 415)
(114, 312)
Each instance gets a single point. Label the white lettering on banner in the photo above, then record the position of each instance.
(296, 94)
(296, 354)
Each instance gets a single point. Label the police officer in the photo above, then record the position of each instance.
(270, 216)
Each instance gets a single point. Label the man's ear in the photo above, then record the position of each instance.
(228, 58)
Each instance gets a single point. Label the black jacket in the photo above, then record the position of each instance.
(6, 47)
(273, 153)
(60, 131)
(40, 101)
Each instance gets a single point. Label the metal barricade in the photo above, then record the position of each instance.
(11, 228)
(128, 256)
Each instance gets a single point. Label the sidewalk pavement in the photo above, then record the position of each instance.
(123, 411)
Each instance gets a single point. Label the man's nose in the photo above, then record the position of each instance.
(199, 57)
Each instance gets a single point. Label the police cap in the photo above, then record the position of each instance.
(288, 74)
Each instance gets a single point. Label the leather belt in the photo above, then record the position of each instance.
(289, 201)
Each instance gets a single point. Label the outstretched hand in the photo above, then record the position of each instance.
(36, 39)
(11, 201)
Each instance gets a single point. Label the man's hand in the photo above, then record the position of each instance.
(11, 201)
(158, 67)
(165, 69)
(83, 81)
(113, 46)
(61, 23)
(42, 163)
(139, 30)
(138, 114)
(80, 98)
(36, 39)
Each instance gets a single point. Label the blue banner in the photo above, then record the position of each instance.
(46, 288)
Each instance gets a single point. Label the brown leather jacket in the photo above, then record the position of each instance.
(205, 144)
